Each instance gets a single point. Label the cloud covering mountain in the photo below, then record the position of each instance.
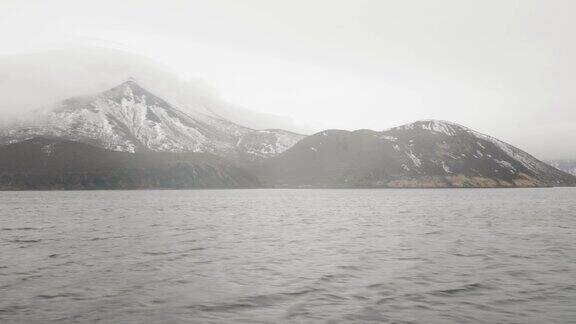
(33, 80)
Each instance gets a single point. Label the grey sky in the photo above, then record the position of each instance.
(503, 67)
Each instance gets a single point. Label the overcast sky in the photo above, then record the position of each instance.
(506, 68)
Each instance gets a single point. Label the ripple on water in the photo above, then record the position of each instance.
(421, 256)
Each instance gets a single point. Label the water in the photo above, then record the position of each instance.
(425, 256)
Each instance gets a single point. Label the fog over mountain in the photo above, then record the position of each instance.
(36, 80)
(147, 142)
(502, 68)
(130, 118)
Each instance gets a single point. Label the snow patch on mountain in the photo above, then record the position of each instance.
(524, 158)
(453, 129)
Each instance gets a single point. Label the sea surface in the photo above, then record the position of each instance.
(295, 256)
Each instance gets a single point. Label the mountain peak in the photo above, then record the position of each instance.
(129, 83)
(134, 91)
(434, 125)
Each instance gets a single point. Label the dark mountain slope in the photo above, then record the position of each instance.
(421, 154)
(43, 163)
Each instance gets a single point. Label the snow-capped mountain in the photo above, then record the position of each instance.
(129, 118)
(426, 153)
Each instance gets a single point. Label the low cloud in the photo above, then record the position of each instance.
(34, 81)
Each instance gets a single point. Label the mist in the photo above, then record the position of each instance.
(35, 81)
(503, 68)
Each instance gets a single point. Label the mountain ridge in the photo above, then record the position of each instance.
(427, 153)
(129, 119)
